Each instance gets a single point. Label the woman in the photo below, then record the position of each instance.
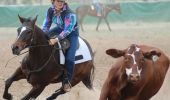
(66, 27)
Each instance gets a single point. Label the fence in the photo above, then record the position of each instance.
(142, 12)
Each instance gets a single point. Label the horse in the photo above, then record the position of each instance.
(138, 74)
(40, 66)
(86, 10)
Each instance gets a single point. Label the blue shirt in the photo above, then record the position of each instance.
(68, 23)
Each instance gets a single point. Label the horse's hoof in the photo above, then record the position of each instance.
(8, 96)
(49, 98)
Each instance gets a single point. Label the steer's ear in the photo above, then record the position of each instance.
(152, 54)
(115, 53)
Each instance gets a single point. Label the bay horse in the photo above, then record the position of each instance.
(41, 66)
(138, 74)
(86, 10)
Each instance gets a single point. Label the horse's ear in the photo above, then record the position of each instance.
(34, 20)
(20, 18)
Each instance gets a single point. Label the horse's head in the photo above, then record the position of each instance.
(116, 7)
(134, 60)
(25, 34)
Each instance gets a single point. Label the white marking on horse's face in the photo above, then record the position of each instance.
(22, 30)
(128, 71)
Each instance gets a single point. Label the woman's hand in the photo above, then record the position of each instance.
(53, 41)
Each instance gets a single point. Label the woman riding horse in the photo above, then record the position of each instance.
(60, 14)
(41, 65)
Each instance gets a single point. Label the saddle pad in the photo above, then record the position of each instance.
(82, 53)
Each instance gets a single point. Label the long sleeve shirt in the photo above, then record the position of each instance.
(67, 24)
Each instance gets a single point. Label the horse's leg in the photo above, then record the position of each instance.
(15, 77)
(56, 94)
(100, 19)
(35, 92)
(107, 23)
(61, 90)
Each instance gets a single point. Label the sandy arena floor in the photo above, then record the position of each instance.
(122, 35)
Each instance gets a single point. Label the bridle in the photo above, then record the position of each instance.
(32, 45)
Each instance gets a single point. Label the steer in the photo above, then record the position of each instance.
(137, 75)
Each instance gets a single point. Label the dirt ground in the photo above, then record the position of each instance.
(121, 36)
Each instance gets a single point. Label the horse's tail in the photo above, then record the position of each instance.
(88, 81)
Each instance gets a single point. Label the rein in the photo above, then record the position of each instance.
(27, 51)
(14, 57)
(39, 69)
(44, 65)
(35, 46)
(52, 54)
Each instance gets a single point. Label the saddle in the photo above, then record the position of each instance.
(82, 53)
(65, 43)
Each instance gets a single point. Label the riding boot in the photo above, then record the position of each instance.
(66, 83)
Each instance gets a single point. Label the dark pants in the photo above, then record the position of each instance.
(70, 53)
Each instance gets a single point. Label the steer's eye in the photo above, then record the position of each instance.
(126, 59)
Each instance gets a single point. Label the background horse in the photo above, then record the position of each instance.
(85, 10)
(41, 64)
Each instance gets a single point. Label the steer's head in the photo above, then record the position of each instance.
(134, 60)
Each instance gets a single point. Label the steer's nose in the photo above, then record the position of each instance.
(134, 77)
(15, 49)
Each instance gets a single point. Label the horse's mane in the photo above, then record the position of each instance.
(39, 30)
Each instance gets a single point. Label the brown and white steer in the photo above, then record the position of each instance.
(137, 75)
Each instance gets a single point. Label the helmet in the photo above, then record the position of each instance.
(59, 0)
